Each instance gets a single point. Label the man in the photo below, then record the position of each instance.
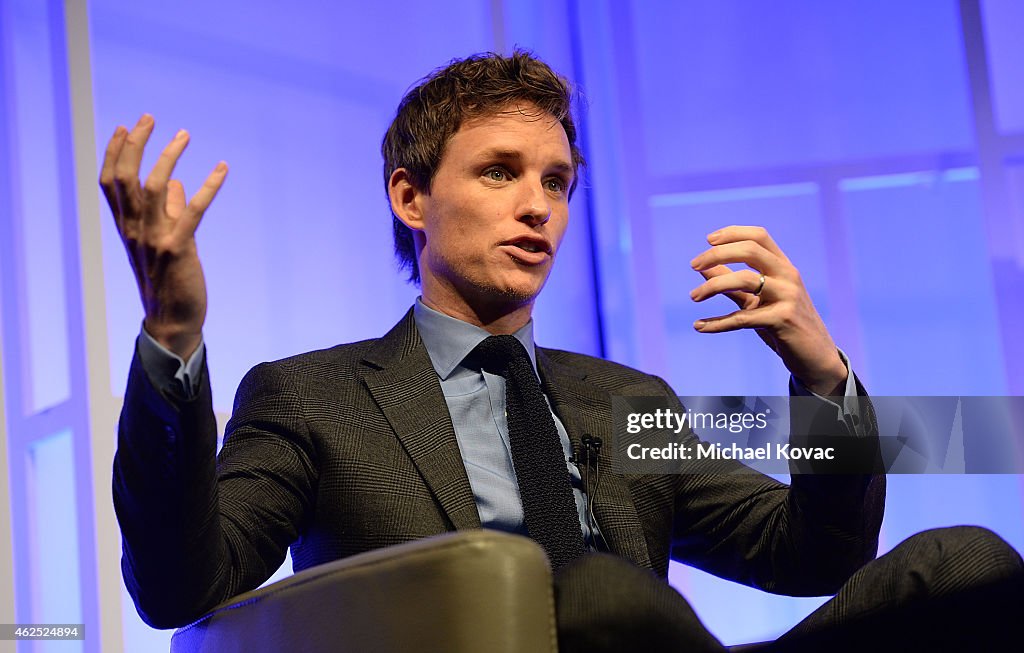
(455, 420)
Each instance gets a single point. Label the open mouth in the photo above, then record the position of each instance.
(530, 244)
(530, 247)
(528, 250)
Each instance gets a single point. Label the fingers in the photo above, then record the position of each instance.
(738, 286)
(782, 313)
(175, 202)
(107, 171)
(737, 233)
(751, 318)
(748, 252)
(156, 184)
(204, 196)
(126, 168)
(741, 299)
(160, 197)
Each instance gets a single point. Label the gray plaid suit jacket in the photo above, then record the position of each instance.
(349, 449)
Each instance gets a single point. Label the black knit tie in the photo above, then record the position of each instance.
(548, 504)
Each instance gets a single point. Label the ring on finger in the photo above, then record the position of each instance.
(760, 287)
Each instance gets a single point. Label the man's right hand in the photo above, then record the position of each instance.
(158, 229)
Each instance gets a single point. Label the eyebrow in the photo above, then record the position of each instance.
(503, 154)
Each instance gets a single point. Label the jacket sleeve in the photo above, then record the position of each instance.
(801, 539)
(196, 532)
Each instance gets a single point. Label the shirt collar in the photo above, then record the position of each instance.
(449, 340)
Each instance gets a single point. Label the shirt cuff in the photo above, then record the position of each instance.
(844, 411)
(168, 371)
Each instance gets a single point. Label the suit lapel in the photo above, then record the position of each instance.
(402, 381)
(400, 377)
(586, 409)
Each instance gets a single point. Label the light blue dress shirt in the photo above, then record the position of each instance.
(476, 401)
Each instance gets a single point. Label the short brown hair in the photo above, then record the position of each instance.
(431, 113)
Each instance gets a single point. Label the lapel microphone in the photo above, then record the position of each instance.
(592, 452)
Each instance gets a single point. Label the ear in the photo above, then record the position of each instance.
(406, 199)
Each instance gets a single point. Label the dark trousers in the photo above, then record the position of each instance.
(948, 589)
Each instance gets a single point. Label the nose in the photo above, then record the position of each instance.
(534, 206)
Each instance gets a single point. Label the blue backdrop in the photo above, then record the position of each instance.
(881, 143)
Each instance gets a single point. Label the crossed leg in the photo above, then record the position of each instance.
(946, 589)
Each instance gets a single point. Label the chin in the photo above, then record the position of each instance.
(525, 288)
(511, 292)
(519, 295)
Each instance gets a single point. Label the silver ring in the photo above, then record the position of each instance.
(757, 293)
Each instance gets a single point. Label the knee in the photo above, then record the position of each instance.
(954, 540)
(970, 550)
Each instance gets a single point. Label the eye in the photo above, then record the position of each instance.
(496, 174)
(555, 184)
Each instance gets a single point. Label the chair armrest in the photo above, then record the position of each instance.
(465, 591)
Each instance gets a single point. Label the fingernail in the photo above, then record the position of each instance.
(699, 324)
(180, 135)
(221, 167)
(693, 294)
(693, 263)
(146, 120)
(119, 130)
(714, 234)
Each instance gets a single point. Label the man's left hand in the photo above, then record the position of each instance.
(773, 301)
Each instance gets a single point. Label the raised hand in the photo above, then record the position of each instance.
(157, 227)
(772, 300)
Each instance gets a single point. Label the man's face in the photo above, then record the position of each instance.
(496, 212)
